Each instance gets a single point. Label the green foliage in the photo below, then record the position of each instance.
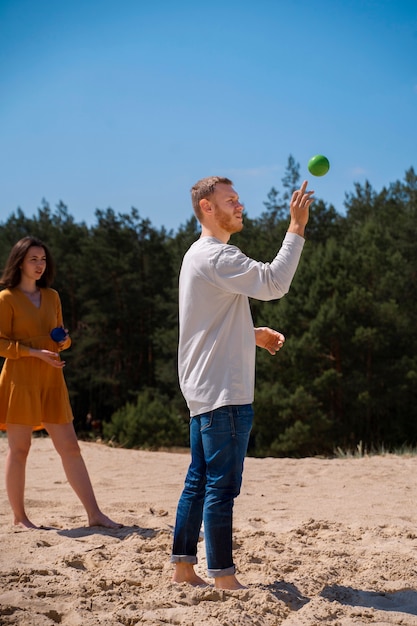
(151, 423)
(350, 319)
(348, 369)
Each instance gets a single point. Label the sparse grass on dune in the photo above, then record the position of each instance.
(361, 451)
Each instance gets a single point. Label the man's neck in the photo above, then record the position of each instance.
(218, 233)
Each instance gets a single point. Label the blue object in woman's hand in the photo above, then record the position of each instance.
(58, 334)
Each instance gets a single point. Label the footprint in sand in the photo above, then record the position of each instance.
(257, 522)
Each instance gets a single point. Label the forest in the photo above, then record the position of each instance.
(347, 375)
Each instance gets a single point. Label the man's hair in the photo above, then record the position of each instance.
(204, 188)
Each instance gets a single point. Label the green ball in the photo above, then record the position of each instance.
(318, 165)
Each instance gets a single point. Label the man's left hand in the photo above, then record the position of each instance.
(270, 339)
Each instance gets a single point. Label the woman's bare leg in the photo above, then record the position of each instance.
(20, 439)
(66, 444)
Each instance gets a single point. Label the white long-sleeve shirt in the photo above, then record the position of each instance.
(216, 354)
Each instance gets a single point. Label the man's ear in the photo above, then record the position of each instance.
(205, 206)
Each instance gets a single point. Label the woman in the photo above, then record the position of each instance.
(33, 392)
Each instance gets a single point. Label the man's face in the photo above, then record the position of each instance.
(227, 208)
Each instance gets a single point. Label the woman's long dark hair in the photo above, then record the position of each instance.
(12, 273)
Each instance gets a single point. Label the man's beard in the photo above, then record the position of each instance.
(228, 223)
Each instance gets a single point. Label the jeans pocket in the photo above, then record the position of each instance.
(206, 420)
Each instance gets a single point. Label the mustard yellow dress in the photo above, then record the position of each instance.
(31, 391)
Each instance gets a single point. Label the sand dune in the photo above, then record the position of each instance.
(317, 541)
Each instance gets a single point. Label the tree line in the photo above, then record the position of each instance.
(347, 373)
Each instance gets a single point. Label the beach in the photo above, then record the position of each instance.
(316, 541)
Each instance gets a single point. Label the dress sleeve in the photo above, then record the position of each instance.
(9, 348)
(60, 322)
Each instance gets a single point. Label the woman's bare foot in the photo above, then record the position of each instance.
(24, 523)
(228, 582)
(102, 520)
(184, 573)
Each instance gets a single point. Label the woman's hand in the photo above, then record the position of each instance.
(51, 358)
(65, 343)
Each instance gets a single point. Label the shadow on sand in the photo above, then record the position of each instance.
(288, 593)
(402, 601)
(117, 533)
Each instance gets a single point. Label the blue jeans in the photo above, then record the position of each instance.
(219, 441)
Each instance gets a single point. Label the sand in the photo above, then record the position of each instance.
(317, 541)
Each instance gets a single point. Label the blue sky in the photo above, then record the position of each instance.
(120, 104)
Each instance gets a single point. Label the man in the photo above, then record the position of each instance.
(216, 366)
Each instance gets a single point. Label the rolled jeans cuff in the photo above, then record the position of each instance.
(218, 573)
(183, 558)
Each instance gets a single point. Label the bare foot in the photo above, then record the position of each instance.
(228, 582)
(184, 573)
(25, 523)
(102, 520)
